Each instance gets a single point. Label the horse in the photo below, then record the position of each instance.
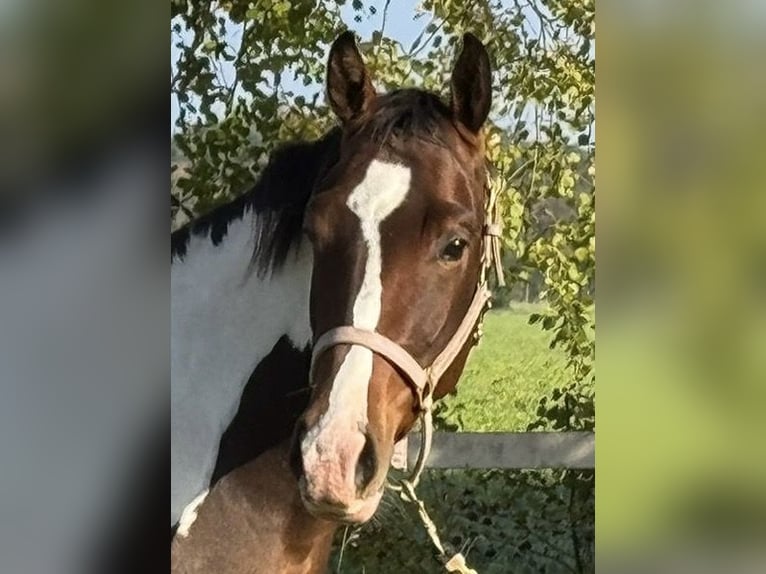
(366, 246)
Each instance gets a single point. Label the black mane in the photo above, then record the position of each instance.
(285, 185)
(278, 198)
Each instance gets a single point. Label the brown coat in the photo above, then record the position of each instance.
(253, 522)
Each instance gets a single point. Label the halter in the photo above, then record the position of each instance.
(424, 380)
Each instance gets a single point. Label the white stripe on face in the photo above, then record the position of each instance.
(382, 190)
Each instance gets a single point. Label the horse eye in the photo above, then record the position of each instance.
(453, 251)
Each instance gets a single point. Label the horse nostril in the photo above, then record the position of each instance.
(366, 466)
(296, 456)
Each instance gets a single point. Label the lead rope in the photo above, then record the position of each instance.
(493, 231)
(406, 489)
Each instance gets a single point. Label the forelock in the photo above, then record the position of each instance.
(407, 114)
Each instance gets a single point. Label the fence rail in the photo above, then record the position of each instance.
(574, 450)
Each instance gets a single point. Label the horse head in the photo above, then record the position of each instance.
(396, 226)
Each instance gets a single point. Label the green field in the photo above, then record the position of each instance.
(506, 375)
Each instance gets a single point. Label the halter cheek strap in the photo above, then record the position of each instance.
(422, 380)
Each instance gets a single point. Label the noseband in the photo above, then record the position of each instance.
(423, 380)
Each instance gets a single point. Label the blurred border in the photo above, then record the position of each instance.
(84, 112)
(682, 278)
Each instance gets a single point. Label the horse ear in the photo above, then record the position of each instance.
(471, 84)
(349, 88)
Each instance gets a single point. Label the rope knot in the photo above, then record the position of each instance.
(457, 564)
(494, 229)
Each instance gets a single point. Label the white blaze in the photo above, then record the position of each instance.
(382, 190)
(224, 321)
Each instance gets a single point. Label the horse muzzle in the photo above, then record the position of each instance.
(338, 472)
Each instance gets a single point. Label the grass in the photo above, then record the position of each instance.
(506, 375)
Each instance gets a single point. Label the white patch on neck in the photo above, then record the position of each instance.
(224, 321)
(383, 189)
(189, 515)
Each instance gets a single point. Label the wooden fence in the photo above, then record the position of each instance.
(574, 450)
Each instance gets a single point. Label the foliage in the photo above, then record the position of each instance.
(503, 522)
